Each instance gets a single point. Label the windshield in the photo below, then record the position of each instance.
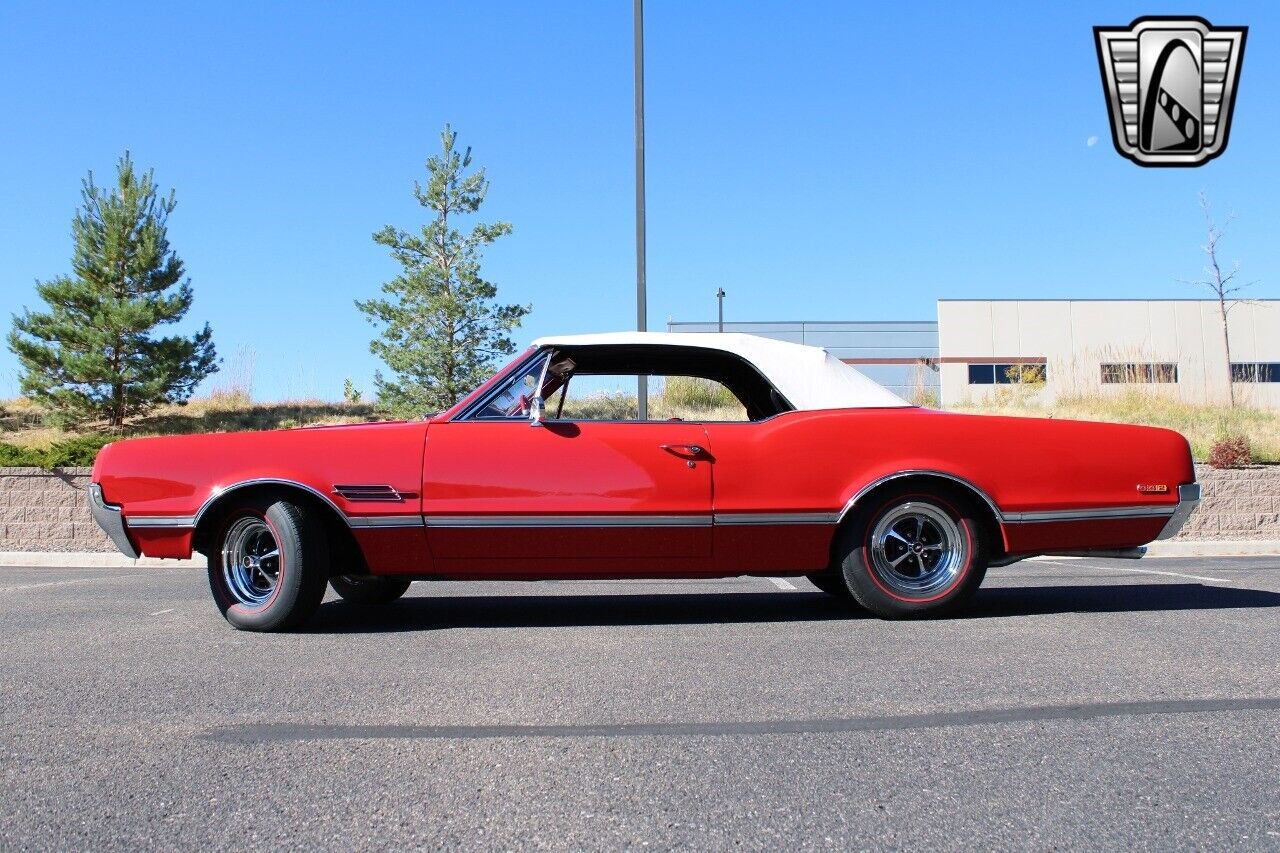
(516, 394)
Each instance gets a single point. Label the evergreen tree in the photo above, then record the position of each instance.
(92, 355)
(441, 328)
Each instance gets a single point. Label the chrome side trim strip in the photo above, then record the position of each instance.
(109, 519)
(218, 492)
(1188, 500)
(365, 521)
(1092, 514)
(1041, 516)
(172, 521)
(772, 518)
(568, 521)
(918, 472)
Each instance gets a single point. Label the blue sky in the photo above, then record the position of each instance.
(818, 161)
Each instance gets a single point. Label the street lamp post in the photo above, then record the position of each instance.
(720, 307)
(642, 307)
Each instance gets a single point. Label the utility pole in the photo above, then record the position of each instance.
(642, 300)
(720, 307)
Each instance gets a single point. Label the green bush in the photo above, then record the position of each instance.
(74, 452)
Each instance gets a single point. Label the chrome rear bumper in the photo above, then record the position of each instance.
(109, 519)
(1188, 500)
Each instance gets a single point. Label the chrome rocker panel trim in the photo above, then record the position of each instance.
(470, 521)
(1094, 514)
(180, 522)
(358, 522)
(732, 518)
(110, 520)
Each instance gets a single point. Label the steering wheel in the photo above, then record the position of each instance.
(519, 408)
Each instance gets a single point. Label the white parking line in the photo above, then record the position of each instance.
(783, 584)
(162, 612)
(65, 583)
(1152, 572)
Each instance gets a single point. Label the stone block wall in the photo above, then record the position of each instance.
(46, 510)
(1236, 504)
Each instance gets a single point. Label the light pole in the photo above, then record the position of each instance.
(642, 306)
(720, 307)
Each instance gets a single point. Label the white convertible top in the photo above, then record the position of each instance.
(810, 377)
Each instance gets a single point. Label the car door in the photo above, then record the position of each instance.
(586, 496)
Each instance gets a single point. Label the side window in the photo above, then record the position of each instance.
(612, 397)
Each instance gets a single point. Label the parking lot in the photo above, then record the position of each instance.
(1078, 703)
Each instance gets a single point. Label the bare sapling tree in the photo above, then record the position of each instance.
(1221, 284)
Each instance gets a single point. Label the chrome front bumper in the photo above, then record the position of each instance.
(109, 519)
(1188, 500)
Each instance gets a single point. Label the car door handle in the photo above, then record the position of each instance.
(683, 449)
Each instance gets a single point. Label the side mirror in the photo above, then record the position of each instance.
(536, 411)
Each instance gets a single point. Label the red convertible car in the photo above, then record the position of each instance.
(758, 458)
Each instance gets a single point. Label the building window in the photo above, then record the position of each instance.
(1007, 374)
(1138, 372)
(1250, 371)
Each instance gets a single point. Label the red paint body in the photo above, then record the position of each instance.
(801, 464)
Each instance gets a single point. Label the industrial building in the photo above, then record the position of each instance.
(977, 348)
(900, 355)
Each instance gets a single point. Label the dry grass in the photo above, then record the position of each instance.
(227, 410)
(1202, 424)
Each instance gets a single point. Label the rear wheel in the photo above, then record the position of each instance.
(269, 571)
(367, 589)
(913, 554)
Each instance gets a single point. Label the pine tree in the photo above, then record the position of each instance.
(92, 355)
(441, 329)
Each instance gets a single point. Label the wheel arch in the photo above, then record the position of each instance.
(341, 540)
(989, 515)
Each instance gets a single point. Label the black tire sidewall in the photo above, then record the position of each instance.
(303, 563)
(870, 592)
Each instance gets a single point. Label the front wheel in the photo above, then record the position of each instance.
(913, 554)
(269, 573)
(366, 589)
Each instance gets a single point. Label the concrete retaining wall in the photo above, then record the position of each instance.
(46, 511)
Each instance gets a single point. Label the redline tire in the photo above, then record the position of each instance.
(268, 569)
(913, 553)
(367, 589)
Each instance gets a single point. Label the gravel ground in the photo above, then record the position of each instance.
(1082, 704)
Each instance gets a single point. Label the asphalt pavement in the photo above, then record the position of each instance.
(1078, 704)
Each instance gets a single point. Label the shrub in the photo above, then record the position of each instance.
(1230, 452)
(78, 451)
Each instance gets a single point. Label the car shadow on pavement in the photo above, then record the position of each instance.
(434, 613)
(1113, 598)
(425, 613)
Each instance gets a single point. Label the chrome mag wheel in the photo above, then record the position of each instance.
(917, 549)
(251, 561)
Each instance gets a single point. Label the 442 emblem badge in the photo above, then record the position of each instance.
(1170, 85)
